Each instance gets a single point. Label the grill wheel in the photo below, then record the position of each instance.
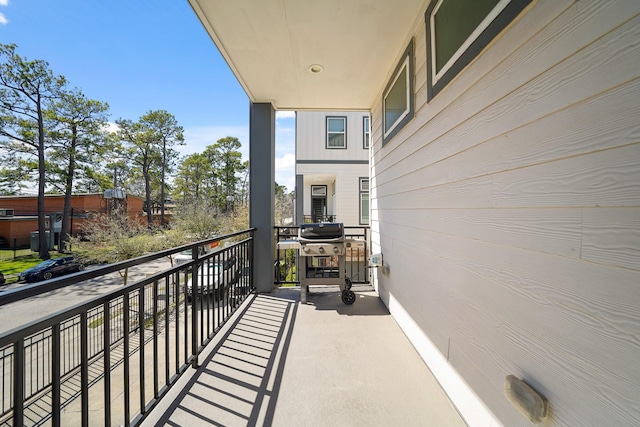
(348, 297)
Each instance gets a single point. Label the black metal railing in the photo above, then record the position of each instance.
(311, 219)
(356, 257)
(125, 348)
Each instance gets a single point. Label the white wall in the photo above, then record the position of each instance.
(332, 165)
(508, 213)
(311, 133)
(345, 204)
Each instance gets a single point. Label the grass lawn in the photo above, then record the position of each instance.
(8, 254)
(16, 265)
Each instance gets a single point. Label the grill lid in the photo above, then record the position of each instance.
(325, 231)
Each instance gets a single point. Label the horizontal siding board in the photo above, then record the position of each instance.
(475, 193)
(491, 286)
(612, 237)
(507, 213)
(593, 69)
(530, 23)
(608, 178)
(577, 130)
(553, 231)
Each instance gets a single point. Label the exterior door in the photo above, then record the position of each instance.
(318, 209)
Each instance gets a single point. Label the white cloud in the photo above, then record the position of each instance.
(3, 19)
(197, 139)
(110, 127)
(282, 114)
(286, 170)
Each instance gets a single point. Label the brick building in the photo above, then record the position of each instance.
(19, 214)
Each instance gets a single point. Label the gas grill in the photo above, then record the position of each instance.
(322, 259)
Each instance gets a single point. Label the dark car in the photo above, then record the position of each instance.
(51, 268)
(2, 278)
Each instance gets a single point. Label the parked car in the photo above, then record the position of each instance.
(182, 257)
(187, 255)
(2, 280)
(215, 278)
(51, 268)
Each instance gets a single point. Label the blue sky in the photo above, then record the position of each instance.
(141, 55)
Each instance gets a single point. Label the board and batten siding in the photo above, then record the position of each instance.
(311, 133)
(322, 166)
(508, 215)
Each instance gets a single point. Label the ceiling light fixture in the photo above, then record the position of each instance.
(316, 68)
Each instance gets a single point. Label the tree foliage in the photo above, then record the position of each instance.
(166, 133)
(140, 150)
(56, 137)
(78, 138)
(27, 89)
(109, 237)
(283, 205)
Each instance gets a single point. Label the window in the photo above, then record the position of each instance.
(364, 200)
(366, 132)
(318, 190)
(397, 100)
(336, 132)
(458, 30)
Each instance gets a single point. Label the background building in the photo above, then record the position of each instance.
(332, 167)
(19, 214)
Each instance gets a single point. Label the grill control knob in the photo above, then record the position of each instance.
(321, 249)
(335, 250)
(306, 249)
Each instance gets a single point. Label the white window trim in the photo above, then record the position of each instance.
(474, 35)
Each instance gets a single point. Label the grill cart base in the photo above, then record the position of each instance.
(322, 255)
(329, 274)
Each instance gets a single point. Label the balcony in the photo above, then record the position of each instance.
(194, 344)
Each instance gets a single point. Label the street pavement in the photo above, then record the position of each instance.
(31, 309)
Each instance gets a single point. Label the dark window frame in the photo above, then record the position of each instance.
(366, 132)
(326, 133)
(360, 193)
(407, 61)
(499, 23)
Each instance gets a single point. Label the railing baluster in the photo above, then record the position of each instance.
(106, 333)
(167, 336)
(200, 296)
(18, 383)
(186, 314)
(194, 308)
(126, 382)
(55, 374)
(141, 352)
(178, 295)
(84, 368)
(155, 312)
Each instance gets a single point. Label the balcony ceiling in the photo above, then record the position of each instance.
(271, 44)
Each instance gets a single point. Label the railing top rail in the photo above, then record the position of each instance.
(66, 313)
(35, 289)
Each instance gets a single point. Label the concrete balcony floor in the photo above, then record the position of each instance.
(278, 362)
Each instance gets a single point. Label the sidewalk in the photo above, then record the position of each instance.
(281, 363)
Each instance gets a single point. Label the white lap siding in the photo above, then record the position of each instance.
(508, 214)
